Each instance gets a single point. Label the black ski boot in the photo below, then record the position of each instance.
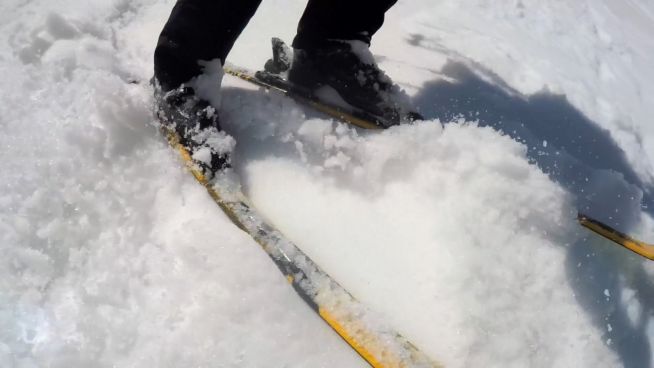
(196, 122)
(349, 68)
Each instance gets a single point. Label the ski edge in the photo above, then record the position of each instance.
(639, 247)
(379, 347)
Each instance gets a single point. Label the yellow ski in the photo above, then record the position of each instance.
(636, 246)
(379, 345)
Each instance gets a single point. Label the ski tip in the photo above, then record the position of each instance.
(639, 247)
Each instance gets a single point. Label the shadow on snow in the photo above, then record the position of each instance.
(583, 158)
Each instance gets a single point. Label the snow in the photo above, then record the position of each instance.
(458, 231)
(205, 84)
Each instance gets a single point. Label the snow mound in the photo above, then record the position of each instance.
(112, 254)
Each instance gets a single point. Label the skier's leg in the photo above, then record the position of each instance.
(198, 30)
(325, 20)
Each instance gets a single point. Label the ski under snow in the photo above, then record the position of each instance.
(377, 344)
(362, 119)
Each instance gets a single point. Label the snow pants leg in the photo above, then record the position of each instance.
(207, 29)
(325, 20)
(198, 30)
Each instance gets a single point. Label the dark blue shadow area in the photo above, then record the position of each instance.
(565, 144)
(583, 158)
(617, 294)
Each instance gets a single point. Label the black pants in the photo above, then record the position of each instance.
(207, 30)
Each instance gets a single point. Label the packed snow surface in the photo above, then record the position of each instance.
(458, 231)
